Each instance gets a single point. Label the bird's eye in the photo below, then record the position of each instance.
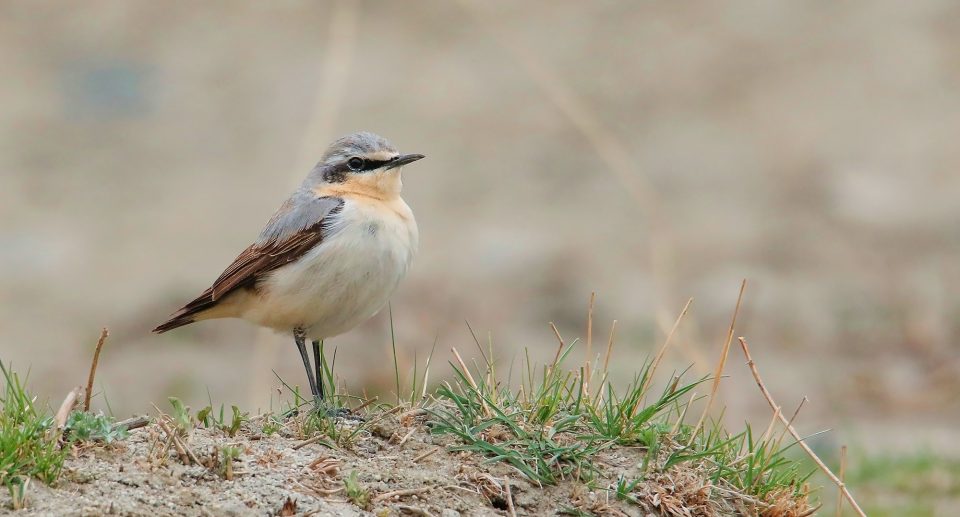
(355, 163)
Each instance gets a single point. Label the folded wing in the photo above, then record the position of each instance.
(303, 222)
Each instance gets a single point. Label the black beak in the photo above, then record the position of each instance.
(402, 160)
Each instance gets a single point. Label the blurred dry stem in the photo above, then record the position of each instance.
(586, 366)
(843, 474)
(93, 368)
(335, 66)
(718, 374)
(66, 407)
(605, 142)
(666, 344)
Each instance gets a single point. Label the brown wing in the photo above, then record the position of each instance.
(285, 239)
(258, 260)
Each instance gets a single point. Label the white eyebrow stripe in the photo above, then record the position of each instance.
(381, 156)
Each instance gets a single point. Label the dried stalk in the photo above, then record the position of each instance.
(816, 459)
(93, 368)
(723, 361)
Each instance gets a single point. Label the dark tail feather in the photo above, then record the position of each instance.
(186, 315)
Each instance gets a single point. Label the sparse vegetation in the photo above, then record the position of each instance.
(553, 427)
(208, 419)
(87, 427)
(29, 445)
(611, 448)
(356, 492)
(228, 454)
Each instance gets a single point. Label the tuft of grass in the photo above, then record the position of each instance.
(271, 425)
(182, 419)
(356, 492)
(560, 421)
(229, 454)
(207, 418)
(549, 428)
(29, 445)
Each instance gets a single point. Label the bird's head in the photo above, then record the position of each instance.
(363, 163)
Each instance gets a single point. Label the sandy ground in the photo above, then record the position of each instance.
(404, 469)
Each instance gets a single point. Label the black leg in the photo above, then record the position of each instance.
(300, 337)
(318, 366)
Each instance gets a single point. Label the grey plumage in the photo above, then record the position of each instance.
(329, 258)
(359, 143)
(301, 211)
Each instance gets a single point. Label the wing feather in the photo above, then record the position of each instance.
(303, 222)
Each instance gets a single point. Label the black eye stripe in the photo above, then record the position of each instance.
(370, 165)
(338, 173)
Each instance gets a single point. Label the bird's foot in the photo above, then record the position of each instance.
(321, 407)
(342, 412)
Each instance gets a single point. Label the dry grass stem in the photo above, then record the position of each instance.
(93, 368)
(586, 367)
(606, 359)
(365, 404)
(720, 365)
(406, 437)
(401, 493)
(773, 405)
(506, 483)
(560, 346)
(473, 383)
(69, 402)
(666, 344)
(174, 440)
(773, 422)
(413, 510)
(843, 473)
(132, 423)
(683, 414)
(315, 439)
(426, 455)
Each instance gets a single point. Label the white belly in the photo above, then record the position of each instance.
(343, 281)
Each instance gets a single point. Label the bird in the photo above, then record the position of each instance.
(329, 258)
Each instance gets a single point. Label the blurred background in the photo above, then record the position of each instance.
(650, 152)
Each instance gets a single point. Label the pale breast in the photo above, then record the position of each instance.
(348, 277)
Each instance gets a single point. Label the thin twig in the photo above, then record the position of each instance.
(773, 421)
(401, 493)
(792, 419)
(406, 437)
(318, 438)
(843, 473)
(69, 402)
(606, 359)
(679, 422)
(723, 361)
(473, 384)
(132, 423)
(663, 348)
(510, 508)
(427, 454)
(365, 404)
(173, 438)
(816, 459)
(413, 510)
(93, 368)
(560, 347)
(586, 369)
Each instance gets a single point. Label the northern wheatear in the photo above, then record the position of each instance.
(330, 257)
